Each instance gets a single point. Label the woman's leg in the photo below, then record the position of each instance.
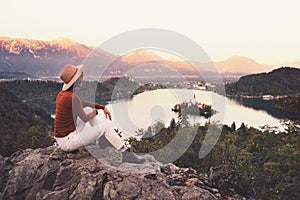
(88, 133)
(85, 134)
(70, 142)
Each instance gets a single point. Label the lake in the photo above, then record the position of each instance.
(147, 108)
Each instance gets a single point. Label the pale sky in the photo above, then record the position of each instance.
(267, 31)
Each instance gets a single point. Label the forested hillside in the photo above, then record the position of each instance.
(290, 104)
(22, 125)
(282, 81)
(257, 164)
(43, 93)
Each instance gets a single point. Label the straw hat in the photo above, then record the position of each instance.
(69, 74)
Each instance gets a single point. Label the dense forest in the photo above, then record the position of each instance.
(43, 93)
(290, 104)
(282, 81)
(257, 164)
(22, 125)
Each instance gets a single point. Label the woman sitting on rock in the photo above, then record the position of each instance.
(71, 127)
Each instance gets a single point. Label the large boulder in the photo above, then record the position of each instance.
(50, 173)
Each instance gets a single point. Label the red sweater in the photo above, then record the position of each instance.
(68, 108)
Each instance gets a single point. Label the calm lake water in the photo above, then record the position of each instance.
(147, 108)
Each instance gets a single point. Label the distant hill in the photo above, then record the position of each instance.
(240, 64)
(282, 81)
(22, 125)
(231, 67)
(14, 75)
(141, 56)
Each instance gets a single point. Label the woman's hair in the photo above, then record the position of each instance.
(70, 88)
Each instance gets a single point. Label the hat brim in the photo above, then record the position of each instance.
(74, 78)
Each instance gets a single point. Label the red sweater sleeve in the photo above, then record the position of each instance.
(93, 105)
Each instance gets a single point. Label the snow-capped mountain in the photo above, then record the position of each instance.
(43, 58)
(41, 49)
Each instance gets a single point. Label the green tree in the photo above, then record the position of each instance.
(233, 126)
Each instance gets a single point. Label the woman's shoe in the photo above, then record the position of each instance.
(131, 157)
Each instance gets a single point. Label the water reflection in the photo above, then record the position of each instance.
(267, 105)
(147, 108)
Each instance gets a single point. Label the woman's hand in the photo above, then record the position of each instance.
(107, 113)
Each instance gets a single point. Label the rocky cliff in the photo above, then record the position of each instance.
(50, 173)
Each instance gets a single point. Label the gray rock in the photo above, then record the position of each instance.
(50, 173)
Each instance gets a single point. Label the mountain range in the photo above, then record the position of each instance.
(46, 58)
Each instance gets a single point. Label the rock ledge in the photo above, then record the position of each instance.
(50, 173)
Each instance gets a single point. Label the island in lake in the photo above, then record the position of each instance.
(194, 108)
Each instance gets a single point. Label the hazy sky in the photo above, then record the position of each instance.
(267, 31)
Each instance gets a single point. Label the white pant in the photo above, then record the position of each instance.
(85, 133)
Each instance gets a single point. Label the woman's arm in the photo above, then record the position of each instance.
(78, 110)
(97, 106)
(93, 105)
